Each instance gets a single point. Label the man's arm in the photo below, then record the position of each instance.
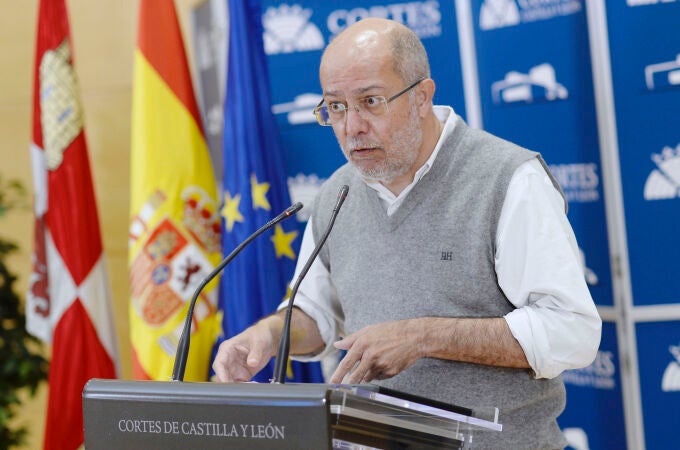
(539, 269)
(241, 357)
(383, 350)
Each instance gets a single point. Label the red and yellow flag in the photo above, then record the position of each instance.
(68, 303)
(175, 221)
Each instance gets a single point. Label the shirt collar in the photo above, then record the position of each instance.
(445, 115)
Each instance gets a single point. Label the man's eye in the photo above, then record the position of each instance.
(371, 102)
(336, 107)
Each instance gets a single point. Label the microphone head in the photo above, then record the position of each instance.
(342, 195)
(293, 209)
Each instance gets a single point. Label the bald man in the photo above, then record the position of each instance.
(451, 272)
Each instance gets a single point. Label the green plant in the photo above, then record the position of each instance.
(21, 364)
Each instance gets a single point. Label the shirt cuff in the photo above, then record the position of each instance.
(555, 340)
(519, 323)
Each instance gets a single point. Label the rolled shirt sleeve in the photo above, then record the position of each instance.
(539, 269)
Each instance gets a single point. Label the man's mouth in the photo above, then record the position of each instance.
(364, 151)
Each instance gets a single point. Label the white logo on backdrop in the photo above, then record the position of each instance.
(580, 182)
(503, 13)
(646, 2)
(303, 188)
(576, 438)
(540, 84)
(424, 18)
(300, 110)
(498, 14)
(599, 375)
(663, 182)
(287, 29)
(671, 376)
(663, 75)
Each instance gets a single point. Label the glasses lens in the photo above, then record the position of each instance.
(322, 115)
(375, 105)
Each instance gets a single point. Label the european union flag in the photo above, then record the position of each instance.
(255, 188)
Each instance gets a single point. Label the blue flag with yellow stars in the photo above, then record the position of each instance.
(255, 190)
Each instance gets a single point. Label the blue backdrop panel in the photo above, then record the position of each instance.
(536, 90)
(296, 34)
(659, 365)
(594, 406)
(645, 61)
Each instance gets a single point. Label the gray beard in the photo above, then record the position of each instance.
(403, 155)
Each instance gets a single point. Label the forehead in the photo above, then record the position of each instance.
(357, 62)
(354, 75)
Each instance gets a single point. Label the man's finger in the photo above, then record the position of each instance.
(220, 367)
(251, 356)
(361, 373)
(346, 342)
(346, 365)
(220, 372)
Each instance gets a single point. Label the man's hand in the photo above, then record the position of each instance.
(378, 351)
(383, 350)
(241, 357)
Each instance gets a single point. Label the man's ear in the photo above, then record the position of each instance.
(424, 94)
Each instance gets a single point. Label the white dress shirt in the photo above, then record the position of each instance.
(537, 262)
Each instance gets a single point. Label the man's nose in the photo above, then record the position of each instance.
(355, 123)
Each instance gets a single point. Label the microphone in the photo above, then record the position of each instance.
(284, 343)
(183, 346)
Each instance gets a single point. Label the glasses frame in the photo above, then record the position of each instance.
(317, 108)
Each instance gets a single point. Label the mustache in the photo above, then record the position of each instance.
(356, 144)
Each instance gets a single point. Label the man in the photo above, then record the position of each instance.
(452, 271)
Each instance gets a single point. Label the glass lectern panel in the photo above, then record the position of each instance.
(363, 418)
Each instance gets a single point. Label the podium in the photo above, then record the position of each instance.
(180, 415)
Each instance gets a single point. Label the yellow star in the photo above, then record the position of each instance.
(259, 192)
(282, 241)
(230, 210)
(289, 369)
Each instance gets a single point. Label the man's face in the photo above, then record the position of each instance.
(382, 147)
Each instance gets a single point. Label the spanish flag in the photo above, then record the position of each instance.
(175, 221)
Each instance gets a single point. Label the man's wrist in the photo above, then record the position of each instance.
(272, 324)
(421, 335)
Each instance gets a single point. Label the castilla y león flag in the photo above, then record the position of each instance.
(175, 222)
(68, 303)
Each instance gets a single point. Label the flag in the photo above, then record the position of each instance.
(68, 303)
(255, 188)
(175, 223)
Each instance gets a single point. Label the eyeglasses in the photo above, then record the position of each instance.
(374, 105)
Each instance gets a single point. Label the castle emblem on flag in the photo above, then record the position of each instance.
(61, 114)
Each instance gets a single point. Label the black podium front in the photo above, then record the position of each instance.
(172, 415)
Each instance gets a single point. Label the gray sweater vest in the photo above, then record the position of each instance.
(434, 257)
